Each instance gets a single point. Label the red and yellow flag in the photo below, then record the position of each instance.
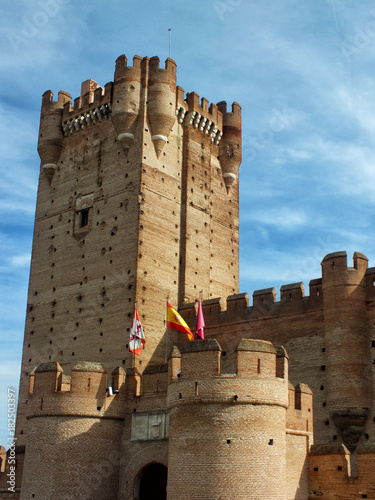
(175, 322)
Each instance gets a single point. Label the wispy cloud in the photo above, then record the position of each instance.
(283, 219)
(308, 176)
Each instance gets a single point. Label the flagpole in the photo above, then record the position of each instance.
(135, 308)
(200, 299)
(166, 329)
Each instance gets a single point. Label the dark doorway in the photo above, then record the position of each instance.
(153, 482)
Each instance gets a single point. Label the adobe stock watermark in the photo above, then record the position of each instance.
(86, 486)
(31, 26)
(11, 455)
(278, 122)
(361, 40)
(224, 7)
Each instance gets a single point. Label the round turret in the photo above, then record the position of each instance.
(50, 131)
(230, 148)
(74, 434)
(348, 383)
(161, 100)
(225, 428)
(126, 99)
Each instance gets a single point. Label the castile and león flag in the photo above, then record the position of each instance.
(137, 335)
(174, 322)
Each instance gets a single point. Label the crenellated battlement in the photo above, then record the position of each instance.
(162, 74)
(91, 107)
(144, 89)
(48, 104)
(200, 380)
(122, 69)
(230, 118)
(292, 296)
(84, 393)
(233, 417)
(200, 114)
(236, 307)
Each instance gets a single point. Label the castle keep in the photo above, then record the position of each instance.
(138, 202)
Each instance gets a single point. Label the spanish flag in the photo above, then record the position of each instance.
(175, 322)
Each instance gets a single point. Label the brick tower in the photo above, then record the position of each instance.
(137, 202)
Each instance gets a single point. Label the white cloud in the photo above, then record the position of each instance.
(282, 218)
(20, 260)
(306, 192)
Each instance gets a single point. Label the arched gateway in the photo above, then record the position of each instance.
(151, 482)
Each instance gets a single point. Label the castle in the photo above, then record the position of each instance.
(138, 202)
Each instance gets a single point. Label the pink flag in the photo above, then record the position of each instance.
(200, 322)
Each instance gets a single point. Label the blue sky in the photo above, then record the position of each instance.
(303, 74)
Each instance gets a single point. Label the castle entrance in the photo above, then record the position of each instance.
(151, 483)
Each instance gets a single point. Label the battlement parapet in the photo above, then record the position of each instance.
(123, 100)
(291, 292)
(198, 113)
(49, 105)
(238, 302)
(47, 378)
(174, 363)
(203, 357)
(155, 380)
(293, 300)
(158, 74)
(230, 118)
(299, 416)
(85, 395)
(335, 270)
(200, 378)
(91, 108)
(122, 70)
(236, 308)
(256, 358)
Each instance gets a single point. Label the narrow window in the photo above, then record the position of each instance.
(84, 217)
(196, 388)
(258, 368)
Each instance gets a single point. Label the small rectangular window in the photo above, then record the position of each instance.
(84, 217)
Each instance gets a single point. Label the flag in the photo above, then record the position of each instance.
(137, 336)
(200, 322)
(175, 322)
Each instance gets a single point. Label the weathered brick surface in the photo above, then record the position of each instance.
(149, 235)
(137, 202)
(231, 429)
(331, 475)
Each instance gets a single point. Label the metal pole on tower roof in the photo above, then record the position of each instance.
(170, 35)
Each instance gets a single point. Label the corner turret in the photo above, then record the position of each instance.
(126, 99)
(346, 337)
(230, 148)
(161, 100)
(84, 418)
(50, 131)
